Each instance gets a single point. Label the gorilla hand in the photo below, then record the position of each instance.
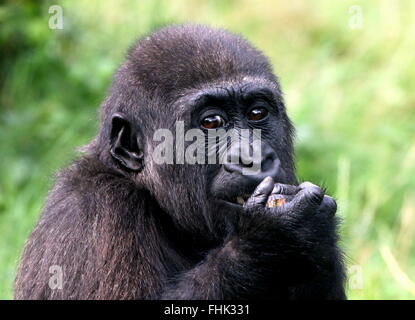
(272, 252)
(297, 238)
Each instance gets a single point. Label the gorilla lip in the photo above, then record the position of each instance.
(240, 200)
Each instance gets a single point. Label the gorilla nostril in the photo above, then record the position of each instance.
(267, 164)
(237, 165)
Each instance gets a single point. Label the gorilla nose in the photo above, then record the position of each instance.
(256, 167)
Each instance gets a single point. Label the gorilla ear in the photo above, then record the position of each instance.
(124, 144)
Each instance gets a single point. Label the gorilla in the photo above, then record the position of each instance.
(118, 224)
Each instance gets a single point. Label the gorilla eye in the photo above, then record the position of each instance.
(213, 122)
(257, 114)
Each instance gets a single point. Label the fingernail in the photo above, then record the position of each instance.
(265, 186)
(269, 179)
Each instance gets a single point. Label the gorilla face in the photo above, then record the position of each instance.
(228, 87)
(248, 106)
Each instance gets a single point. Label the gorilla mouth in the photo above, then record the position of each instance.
(234, 192)
(238, 199)
(241, 199)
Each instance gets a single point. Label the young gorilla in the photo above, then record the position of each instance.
(122, 226)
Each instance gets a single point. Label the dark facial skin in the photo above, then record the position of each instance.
(122, 226)
(249, 106)
(246, 105)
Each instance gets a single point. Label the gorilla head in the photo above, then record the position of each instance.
(209, 79)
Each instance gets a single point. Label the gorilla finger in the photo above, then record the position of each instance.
(328, 206)
(313, 192)
(287, 189)
(308, 198)
(307, 184)
(261, 193)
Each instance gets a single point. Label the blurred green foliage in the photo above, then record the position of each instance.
(350, 92)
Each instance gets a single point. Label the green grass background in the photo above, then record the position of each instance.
(350, 93)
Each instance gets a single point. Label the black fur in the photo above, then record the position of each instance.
(122, 227)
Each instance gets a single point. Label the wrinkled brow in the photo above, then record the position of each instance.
(221, 93)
